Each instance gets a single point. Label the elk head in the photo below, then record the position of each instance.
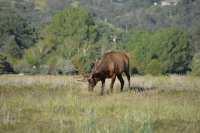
(94, 76)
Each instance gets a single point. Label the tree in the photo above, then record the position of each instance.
(170, 46)
(16, 32)
(69, 34)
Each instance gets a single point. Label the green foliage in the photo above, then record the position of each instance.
(75, 23)
(83, 60)
(17, 32)
(173, 47)
(170, 46)
(139, 50)
(58, 65)
(154, 67)
(196, 65)
(73, 35)
(32, 56)
(15, 26)
(195, 33)
(66, 36)
(5, 66)
(65, 30)
(41, 4)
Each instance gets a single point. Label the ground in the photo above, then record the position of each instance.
(43, 104)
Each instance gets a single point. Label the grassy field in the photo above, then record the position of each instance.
(61, 104)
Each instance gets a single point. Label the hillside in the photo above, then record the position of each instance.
(134, 13)
(51, 34)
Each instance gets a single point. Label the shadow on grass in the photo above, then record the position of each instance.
(141, 88)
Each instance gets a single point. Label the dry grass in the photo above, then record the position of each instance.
(62, 104)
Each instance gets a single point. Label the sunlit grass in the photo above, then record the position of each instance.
(62, 104)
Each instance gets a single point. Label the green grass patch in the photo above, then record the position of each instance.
(46, 104)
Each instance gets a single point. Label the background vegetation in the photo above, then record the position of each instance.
(64, 37)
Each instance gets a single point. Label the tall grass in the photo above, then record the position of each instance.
(43, 104)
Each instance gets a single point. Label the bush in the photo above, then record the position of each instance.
(154, 67)
(5, 66)
(64, 38)
(24, 67)
(17, 32)
(83, 61)
(196, 65)
(58, 65)
(32, 56)
(170, 46)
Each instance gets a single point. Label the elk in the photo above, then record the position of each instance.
(111, 65)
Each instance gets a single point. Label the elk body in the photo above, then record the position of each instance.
(111, 65)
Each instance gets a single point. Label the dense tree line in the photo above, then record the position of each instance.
(51, 37)
(72, 35)
(163, 51)
(17, 31)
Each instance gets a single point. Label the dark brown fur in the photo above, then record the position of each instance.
(112, 65)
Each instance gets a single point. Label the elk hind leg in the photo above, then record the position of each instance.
(121, 81)
(128, 77)
(112, 83)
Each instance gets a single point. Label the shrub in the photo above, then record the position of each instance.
(32, 56)
(5, 66)
(58, 65)
(23, 66)
(170, 46)
(154, 67)
(196, 65)
(83, 61)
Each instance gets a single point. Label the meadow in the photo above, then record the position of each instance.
(62, 104)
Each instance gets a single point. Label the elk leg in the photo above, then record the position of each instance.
(103, 86)
(128, 77)
(112, 83)
(121, 81)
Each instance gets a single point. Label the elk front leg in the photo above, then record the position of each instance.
(103, 86)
